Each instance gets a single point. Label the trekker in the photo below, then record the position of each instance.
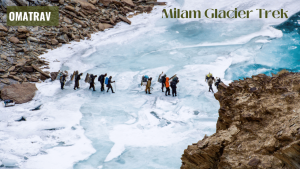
(218, 82)
(167, 86)
(148, 85)
(173, 86)
(101, 80)
(62, 81)
(210, 80)
(162, 80)
(77, 81)
(109, 85)
(92, 81)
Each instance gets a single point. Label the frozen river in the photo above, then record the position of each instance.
(130, 129)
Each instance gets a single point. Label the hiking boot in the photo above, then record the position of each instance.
(113, 92)
(146, 92)
(169, 94)
(150, 93)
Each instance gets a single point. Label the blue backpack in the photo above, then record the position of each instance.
(106, 80)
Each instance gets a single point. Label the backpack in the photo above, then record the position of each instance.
(101, 78)
(173, 84)
(163, 78)
(90, 79)
(145, 78)
(175, 79)
(106, 80)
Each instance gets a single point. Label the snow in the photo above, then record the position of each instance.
(129, 129)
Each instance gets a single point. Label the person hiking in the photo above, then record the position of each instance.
(174, 86)
(148, 85)
(76, 86)
(62, 81)
(101, 79)
(167, 86)
(92, 81)
(162, 80)
(218, 82)
(109, 84)
(210, 80)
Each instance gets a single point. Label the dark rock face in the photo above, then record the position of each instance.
(258, 126)
(20, 93)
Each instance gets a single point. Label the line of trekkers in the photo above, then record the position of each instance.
(165, 81)
(90, 78)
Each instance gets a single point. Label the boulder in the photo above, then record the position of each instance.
(3, 57)
(14, 40)
(70, 8)
(39, 70)
(1, 43)
(123, 18)
(54, 42)
(3, 28)
(20, 93)
(101, 27)
(106, 26)
(61, 2)
(11, 68)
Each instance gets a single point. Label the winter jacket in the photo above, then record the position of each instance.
(148, 83)
(102, 78)
(167, 82)
(93, 79)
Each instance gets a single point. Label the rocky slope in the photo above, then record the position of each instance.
(21, 46)
(258, 126)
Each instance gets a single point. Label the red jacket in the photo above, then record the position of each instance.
(167, 82)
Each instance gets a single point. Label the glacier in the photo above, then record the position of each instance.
(128, 129)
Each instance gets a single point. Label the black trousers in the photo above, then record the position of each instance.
(110, 87)
(174, 91)
(92, 85)
(62, 85)
(102, 86)
(162, 87)
(210, 88)
(76, 85)
(168, 90)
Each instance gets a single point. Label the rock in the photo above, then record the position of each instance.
(70, 8)
(3, 57)
(6, 3)
(32, 39)
(11, 69)
(22, 2)
(39, 70)
(254, 162)
(3, 28)
(67, 20)
(128, 2)
(101, 27)
(61, 2)
(1, 43)
(14, 40)
(258, 126)
(53, 75)
(33, 79)
(105, 2)
(123, 18)
(3, 34)
(106, 26)
(80, 22)
(6, 81)
(20, 93)
(93, 1)
(23, 29)
(86, 5)
(54, 42)
(2, 70)
(35, 29)
(59, 45)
